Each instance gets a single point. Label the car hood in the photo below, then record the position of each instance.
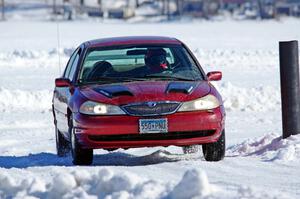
(143, 91)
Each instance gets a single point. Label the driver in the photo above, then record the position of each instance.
(156, 60)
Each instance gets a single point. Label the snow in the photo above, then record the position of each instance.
(193, 183)
(263, 98)
(258, 163)
(108, 184)
(25, 100)
(270, 147)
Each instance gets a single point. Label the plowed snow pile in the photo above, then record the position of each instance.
(262, 98)
(109, 185)
(25, 100)
(105, 184)
(270, 147)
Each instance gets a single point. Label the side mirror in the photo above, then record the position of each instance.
(62, 82)
(214, 76)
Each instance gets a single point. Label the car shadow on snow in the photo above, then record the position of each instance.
(34, 160)
(109, 159)
(126, 159)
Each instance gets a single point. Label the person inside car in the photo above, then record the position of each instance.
(155, 62)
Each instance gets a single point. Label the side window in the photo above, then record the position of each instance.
(70, 63)
(74, 66)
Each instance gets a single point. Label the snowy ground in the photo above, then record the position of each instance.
(258, 164)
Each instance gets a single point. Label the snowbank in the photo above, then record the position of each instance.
(192, 184)
(270, 147)
(34, 58)
(104, 184)
(262, 98)
(109, 185)
(25, 100)
(233, 59)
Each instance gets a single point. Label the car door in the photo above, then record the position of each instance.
(62, 94)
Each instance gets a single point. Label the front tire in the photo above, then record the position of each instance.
(215, 151)
(80, 156)
(62, 145)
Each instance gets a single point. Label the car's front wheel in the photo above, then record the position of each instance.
(62, 145)
(80, 155)
(215, 151)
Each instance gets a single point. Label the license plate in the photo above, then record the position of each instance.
(153, 125)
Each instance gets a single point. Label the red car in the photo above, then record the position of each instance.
(130, 92)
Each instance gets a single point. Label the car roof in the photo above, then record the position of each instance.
(112, 41)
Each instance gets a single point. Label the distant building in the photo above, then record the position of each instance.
(113, 9)
(288, 7)
(193, 8)
(250, 9)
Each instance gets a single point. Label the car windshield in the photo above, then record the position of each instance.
(139, 63)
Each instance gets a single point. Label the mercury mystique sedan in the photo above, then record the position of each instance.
(128, 92)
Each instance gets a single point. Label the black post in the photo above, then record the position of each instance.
(290, 87)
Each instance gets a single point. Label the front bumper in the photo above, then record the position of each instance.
(185, 128)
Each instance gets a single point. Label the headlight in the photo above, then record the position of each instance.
(205, 103)
(95, 108)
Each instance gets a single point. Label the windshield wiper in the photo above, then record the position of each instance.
(110, 80)
(162, 77)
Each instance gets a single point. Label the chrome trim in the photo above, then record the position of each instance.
(157, 102)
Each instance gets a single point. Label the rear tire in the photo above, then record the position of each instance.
(80, 156)
(62, 145)
(215, 151)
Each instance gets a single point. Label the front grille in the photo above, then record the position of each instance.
(151, 108)
(152, 136)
